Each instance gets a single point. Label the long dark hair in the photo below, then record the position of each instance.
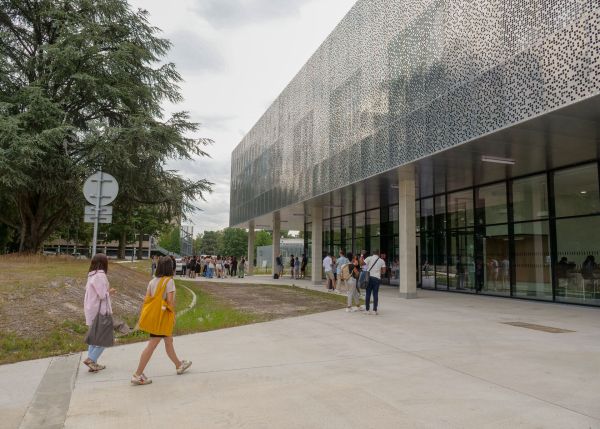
(99, 262)
(164, 267)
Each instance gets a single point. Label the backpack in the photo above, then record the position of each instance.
(346, 272)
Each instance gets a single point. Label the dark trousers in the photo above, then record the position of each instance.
(372, 287)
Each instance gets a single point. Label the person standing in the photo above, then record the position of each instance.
(362, 280)
(303, 266)
(154, 261)
(164, 279)
(375, 267)
(328, 268)
(234, 266)
(241, 268)
(297, 268)
(292, 266)
(341, 261)
(95, 302)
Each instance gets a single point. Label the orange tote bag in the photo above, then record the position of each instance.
(157, 317)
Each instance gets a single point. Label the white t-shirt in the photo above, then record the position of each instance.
(375, 264)
(154, 284)
(327, 264)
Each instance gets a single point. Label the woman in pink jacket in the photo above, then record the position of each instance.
(97, 297)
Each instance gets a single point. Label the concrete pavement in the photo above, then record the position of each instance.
(441, 361)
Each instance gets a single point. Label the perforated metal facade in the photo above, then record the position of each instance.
(399, 80)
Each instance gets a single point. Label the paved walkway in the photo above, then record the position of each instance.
(441, 361)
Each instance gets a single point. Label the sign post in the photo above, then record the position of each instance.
(100, 189)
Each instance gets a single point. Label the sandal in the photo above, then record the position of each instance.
(185, 364)
(94, 367)
(140, 380)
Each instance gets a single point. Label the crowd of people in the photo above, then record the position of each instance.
(350, 273)
(297, 265)
(219, 267)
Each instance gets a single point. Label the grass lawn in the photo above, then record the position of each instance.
(41, 301)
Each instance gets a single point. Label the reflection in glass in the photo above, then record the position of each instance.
(461, 265)
(427, 263)
(578, 251)
(530, 198)
(496, 269)
(427, 214)
(533, 270)
(460, 209)
(491, 202)
(576, 191)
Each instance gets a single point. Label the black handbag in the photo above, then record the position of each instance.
(101, 330)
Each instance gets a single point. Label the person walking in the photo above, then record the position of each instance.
(328, 268)
(162, 283)
(355, 269)
(96, 302)
(375, 267)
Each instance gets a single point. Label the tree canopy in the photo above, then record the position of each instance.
(81, 88)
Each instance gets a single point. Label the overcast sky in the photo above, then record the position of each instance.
(236, 56)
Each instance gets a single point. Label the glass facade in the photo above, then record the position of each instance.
(535, 237)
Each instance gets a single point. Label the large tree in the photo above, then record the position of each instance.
(81, 88)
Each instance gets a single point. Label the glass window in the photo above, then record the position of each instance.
(337, 230)
(533, 270)
(441, 267)
(418, 215)
(494, 255)
(427, 214)
(491, 204)
(347, 230)
(578, 251)
(359, 227)
(427, 265)
(461, 265)
(440, 212)
(530, 198)
(393, 219)
(373, 223)
(460, 209)
(576, 191)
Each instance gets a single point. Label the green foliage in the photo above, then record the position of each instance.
(212, 242)
(171, 240)
(235, 242)
(81, 88)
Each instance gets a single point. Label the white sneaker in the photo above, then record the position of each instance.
(370, 312)
(376, 313)
(361, 308)
(348, 310)
(353, 309)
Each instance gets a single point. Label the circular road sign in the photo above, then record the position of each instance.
(108, 190)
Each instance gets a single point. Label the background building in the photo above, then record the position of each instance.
(459, 137)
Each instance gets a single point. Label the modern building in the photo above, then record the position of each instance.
(460, 137)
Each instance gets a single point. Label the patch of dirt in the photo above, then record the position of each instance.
(44, 305)
(274, 302)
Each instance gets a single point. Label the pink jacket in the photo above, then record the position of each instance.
(96, 290)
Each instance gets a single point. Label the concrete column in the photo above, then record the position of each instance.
(317, 245)
(276, 238)
(250, 248)
(407, 231)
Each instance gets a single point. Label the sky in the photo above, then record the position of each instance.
(235, 56)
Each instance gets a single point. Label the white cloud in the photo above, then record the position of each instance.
(235, 56)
